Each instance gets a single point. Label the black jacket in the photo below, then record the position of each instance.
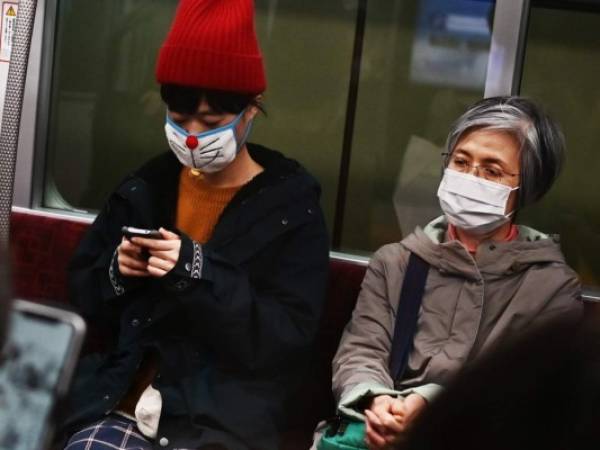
(233, 322)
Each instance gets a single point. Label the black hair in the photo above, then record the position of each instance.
(186, 100)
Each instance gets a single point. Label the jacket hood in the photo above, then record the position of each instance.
(492, 258)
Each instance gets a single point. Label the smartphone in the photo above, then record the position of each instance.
(36, 366)
(130, 232)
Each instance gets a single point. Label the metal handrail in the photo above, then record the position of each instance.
(11, 114)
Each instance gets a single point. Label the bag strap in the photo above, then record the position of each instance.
(407, 313)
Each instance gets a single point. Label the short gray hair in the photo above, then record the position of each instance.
(542, 141)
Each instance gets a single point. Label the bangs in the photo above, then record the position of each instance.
(186, 100)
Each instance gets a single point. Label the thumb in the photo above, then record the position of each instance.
(168, 235)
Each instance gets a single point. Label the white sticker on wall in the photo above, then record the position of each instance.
(7, 29)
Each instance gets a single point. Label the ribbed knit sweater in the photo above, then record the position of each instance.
(199, 205)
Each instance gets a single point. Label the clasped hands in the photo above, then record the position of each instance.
(132, 255)
(388, 418)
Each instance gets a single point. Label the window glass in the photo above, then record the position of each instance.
(107, 118)
(308, 50)
(423, 63)
(561, 71)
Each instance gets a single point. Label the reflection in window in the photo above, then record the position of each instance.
(106, 116)
(424, 62)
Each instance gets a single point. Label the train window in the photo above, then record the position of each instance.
(361, 92)
(308, 51)
(558, 72)
(423, 63)
(105, 113)
(107, 118)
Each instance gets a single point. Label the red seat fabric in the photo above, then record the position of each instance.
(41, 248)
(343, 287)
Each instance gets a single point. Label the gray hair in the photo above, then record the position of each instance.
(542, 141)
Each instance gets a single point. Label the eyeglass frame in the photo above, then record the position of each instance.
(470, 167)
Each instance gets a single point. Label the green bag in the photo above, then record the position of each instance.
(343, 434)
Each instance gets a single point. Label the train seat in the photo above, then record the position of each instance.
(41, 248)
(42, 245)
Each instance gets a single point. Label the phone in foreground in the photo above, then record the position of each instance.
(36, 367)
(130, 232)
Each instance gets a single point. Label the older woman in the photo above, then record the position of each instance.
(488, 278)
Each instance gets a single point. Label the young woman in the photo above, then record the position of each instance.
(213, 319)
(488, 278)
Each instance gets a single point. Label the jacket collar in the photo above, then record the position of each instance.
(494, 259)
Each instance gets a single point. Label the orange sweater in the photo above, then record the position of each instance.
(199, 205)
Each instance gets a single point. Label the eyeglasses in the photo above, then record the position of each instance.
(489, 172)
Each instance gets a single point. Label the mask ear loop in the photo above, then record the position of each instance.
(514, 211)
(239, 144)
(246, 134)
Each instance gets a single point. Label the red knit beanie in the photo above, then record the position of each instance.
(212, 44)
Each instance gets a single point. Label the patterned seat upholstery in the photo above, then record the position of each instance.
(41, 248)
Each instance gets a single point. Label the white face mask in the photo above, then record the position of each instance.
(472, 203)
(210, 151)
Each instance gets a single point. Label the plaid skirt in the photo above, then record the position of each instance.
(115, 433)
(111, 433)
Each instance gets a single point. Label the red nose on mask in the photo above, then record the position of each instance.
(191, 142)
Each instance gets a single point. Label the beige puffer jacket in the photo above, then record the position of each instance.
(468, 305)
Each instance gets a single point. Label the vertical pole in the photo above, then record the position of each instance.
(11, 114)
(338, 222)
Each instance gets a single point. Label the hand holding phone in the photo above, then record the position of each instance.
(134, 258)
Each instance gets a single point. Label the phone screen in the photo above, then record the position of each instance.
(35, 355)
